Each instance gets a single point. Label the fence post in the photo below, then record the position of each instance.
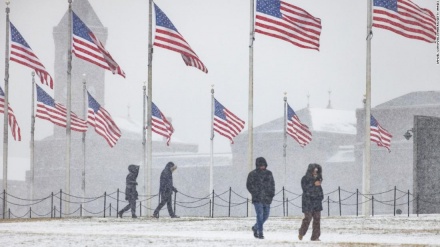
(212, 215)
(51, 207)
(61, 202)
(284, 208)
(175, 197)
(229, 207)
(117, 203)
(105, 201)
(54, 211)
(372, 205)
(210, 208)
(394, 200)
(80, 210)
(339, 192)
(110, 210)
(4, 203)
(328, 205)
(247, 207)
(417, 205)
(357, 202)
(9, 210)
(30, 212)
(158, 212)
(140, 208)
(287, 207)
(408, 203)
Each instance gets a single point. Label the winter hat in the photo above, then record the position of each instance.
(260, 161)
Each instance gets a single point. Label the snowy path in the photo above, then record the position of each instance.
(336, 231)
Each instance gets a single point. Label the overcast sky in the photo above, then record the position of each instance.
(218, 31)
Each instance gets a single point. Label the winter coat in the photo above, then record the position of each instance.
(312, 195)
(261, 185)
(130, 189)
(166, 181)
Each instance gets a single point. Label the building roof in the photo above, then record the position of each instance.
(421, 98)
(318, 120)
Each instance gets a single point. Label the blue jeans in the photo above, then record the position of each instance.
(262, 211)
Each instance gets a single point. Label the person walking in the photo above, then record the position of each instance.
(131, 194)
(312, 201)
(261, 185)
(166, 190)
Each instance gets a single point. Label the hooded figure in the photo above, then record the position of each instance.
(166, 190)
(131, 194)
(261, 185)
(312, 201)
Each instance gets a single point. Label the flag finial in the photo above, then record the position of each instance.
(308, 100)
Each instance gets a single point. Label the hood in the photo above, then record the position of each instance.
(260, 161)
(169, 165)
(133, 169)
(310, 169)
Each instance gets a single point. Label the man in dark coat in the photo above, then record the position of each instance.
(261, 185)
(312, 201)
(131, 194)
(166, 190)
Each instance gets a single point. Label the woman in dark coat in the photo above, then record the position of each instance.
(131, 194)
(166, 190)
(312, 201)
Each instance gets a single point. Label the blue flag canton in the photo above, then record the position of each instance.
(162, 20)
(1, 92)
(388, 4)
(155, 111)
(270, 7)
(16, 37)
(80, 29)
(290, 112)
(219, 110)
(373, 122)
(93, 104)
(44, 98)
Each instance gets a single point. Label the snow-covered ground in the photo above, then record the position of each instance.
(190, 231)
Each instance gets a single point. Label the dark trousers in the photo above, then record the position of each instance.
(316, 226)
(132, 205)
(262, 212)
(165, 199)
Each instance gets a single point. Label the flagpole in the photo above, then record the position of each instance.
(85, 103)
(366, 209)
(144, 148)
(32, 136)
(251, 95)
(211, 167)
(5, 119)
(285, 138)
(69, 108)
(148, 167)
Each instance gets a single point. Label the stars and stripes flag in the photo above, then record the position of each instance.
(379, 135)
(22, 53)
(88, 47)
(287, 22)
(56, 113)
(103, 123)
(226, 123)
(405, 18)
(160, 124)
(15, 129)
(299, 131)
(168, 37)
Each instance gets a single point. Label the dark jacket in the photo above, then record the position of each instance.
(166, 181)
(130, 189)
(260, 183)
(312, 195)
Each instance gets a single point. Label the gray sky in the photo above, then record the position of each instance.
(218, 31)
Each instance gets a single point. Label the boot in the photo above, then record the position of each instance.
(260, 236)
(255, 231)
(175, 216)
(133, 216)
(120, 214)
(156, 215)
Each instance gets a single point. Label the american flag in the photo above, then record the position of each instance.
(225, 122)
(405, 18)
(379, 135)
(103, 123)
(169, 38)
(15, 129)
(87, 46)
(22, 53)
(160, 124)
(299, 131)
(287, 22)
(56, 113)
